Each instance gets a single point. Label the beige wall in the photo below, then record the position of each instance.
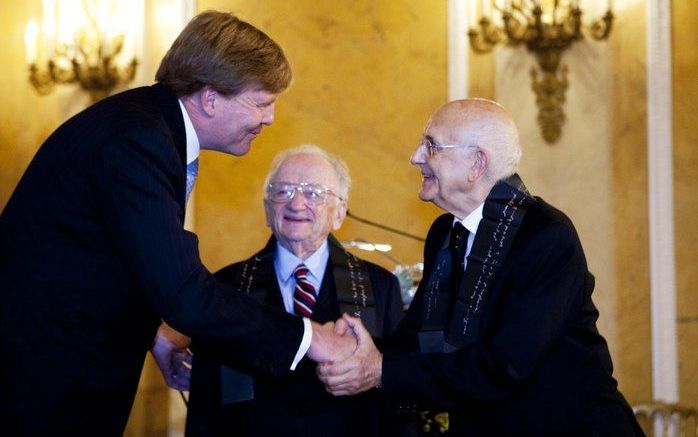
(632, 349)
(367, 75)
(685, 78)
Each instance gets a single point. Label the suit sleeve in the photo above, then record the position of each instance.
(137, 180)
(533, 310)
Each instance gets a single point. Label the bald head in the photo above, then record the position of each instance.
(485, 124)
(467, 146)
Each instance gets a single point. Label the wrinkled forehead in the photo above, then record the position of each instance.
(459, 121)
(447, 127)
(312, 169)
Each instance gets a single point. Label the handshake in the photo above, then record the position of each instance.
(348, 360)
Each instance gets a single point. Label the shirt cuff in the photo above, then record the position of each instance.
(305, 342)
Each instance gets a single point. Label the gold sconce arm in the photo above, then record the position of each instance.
(600, 29)
(486, 38)
(41, 80)
(515, 31)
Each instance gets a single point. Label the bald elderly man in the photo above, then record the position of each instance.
(502, 331)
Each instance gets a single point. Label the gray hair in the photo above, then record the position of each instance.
(340, 167)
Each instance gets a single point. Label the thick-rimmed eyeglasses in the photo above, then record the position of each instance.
(313, 194)
(434, 148)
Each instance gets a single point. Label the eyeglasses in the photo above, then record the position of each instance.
(313, 194)
(433, 148)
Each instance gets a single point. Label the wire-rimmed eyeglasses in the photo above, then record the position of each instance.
(313, 194)
(433, 148)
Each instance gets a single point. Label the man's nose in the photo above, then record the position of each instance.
(419, 155)
(297, 201)
(268, 118)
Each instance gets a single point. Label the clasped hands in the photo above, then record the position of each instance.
(348, 360)
(355, 365)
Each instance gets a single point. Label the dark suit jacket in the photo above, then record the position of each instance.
(538, 365)
(93, 254)
(295, 403)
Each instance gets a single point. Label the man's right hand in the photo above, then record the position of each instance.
(358, 373)
(327, 345)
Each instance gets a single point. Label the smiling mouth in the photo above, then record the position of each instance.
(296, 219)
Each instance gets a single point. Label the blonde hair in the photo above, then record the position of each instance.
(219, 50)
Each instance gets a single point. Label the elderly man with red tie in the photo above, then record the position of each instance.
(303, 270)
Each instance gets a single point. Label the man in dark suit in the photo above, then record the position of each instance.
(501, 332)
(306, 195)
(92, 247)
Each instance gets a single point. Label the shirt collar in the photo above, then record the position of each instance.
(192, 139)
(472, 220)
(286, 261)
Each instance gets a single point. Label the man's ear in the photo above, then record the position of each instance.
(339, 215)
(480, 163)
(208, 99)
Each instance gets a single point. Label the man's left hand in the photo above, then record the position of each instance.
(172, 357)
(361, 371)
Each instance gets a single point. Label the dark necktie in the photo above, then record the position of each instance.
(304, 294)
(457, 245)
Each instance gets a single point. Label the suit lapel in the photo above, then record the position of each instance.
(172, 114)
(273, 297)
(502, 215)
(326, 308)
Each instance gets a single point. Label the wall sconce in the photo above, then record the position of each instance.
(84, 42)
(547, 28)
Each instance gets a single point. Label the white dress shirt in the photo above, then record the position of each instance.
(286, 262)
(471, 223)
(192, 139)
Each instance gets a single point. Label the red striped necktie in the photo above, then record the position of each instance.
(304, 294)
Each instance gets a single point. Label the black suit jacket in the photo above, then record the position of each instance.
(92, 254)
(297, 402)
(538, 365)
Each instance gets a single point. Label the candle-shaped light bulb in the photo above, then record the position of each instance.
(31, 38)
(48, 27)
(473, 18)
(487, 8)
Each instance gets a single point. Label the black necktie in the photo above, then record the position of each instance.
(457, 245)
